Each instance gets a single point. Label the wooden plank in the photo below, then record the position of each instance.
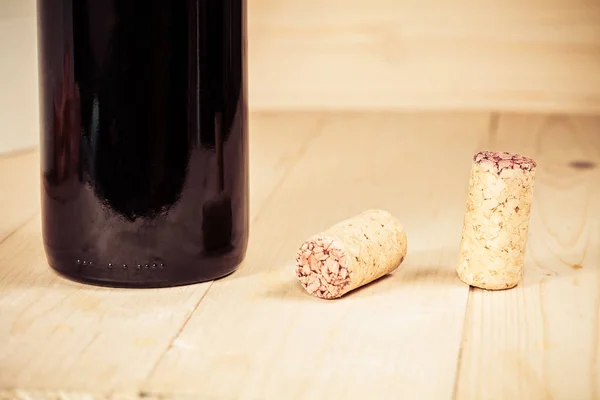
(541, 56)
(59, 335)
(541, 340)
(259, 336)
(19, 190)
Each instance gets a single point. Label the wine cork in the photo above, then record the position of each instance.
(496, 221)
(351, 254)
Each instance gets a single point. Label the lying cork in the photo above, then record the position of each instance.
(351, 254)
(496, 221)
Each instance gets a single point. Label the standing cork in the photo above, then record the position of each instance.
(496, 221)
(351, 254)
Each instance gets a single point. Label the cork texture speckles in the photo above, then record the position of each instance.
(351, 254)
(496, 222)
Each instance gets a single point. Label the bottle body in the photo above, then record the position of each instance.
(144, 139)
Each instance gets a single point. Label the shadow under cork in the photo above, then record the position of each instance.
(436, 268)
(291, 289)
(543, 267)
(411, 275)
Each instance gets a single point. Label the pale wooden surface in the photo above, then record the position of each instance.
(417, 334)
(18, 76)
(541, 55)
(542, 340)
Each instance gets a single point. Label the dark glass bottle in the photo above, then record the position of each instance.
(144, 148)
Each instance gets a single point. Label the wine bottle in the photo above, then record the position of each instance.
(144, 139)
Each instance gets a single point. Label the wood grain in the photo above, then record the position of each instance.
(541, 55)
(59, 335)
(259, 336)
(541, 340)
(418, 333)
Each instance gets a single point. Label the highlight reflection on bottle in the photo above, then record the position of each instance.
(144, 139)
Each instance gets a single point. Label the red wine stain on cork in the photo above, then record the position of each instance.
(576, 266)
(501, 160)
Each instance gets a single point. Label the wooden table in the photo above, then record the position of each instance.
(417, 334)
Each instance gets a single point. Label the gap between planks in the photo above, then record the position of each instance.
(468, 313)
(19, 227)
(19, 152)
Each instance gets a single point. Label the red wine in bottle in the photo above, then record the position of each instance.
(144, 134)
